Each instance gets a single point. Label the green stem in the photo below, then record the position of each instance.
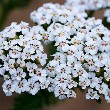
(90, 13)
(3, 17)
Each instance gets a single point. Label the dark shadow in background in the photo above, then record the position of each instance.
(6, 6)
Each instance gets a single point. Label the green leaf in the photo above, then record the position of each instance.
(18, 3)
(37, 102)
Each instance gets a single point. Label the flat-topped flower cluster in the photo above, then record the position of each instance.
(81, 59)
(21, 52)
(88, 4)
(50, 12)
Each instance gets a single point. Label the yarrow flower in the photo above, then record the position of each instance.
(81, 59)
(88, 4)
(21, 51)
(50, 12)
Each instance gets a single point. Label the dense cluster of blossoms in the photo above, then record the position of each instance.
(88, 4)
(21, 52)
(50, 12)
(81, 60)
(82, 52)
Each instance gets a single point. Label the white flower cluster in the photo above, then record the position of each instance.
(50, 13)
(21, 52)
(82, 58)
(88, 4)
(107, 15)
(82, 52)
